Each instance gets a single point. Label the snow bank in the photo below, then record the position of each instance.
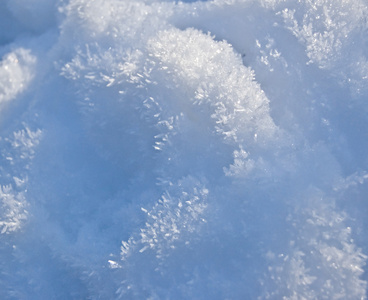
(196, 150)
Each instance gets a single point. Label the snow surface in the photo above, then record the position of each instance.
(171, 150)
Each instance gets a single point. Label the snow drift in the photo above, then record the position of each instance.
(170, 150)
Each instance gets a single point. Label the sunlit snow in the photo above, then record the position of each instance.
(183, 150)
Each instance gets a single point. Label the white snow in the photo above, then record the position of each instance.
(183, 150)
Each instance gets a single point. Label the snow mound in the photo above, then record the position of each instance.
(16, 73)
(183, 150)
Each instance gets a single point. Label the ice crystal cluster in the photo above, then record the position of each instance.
(183, 149)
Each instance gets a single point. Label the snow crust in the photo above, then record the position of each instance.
(183, 150)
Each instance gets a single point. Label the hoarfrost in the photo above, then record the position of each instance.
(221, 144)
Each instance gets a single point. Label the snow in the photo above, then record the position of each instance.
(183, 150)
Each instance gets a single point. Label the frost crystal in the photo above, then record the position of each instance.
(220, 145)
